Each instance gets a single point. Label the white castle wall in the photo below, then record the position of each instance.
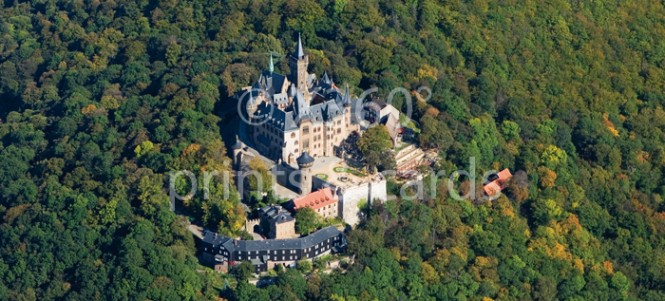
(351, 197)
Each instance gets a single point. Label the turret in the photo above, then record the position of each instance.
(252, 104)
(237, 152)
(305, 163)
(346, 100)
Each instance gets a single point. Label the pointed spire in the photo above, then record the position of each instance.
(299, 52)
(326, 78)
(262, 82)
(251, 101)
(238, 144)
(292, 90)
(347, 96)
(272, 65)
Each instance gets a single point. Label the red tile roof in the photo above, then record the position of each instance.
(499, 183)
(491, 188)
(504, 175)
(316, 200)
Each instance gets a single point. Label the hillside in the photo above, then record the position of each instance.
(99, 100)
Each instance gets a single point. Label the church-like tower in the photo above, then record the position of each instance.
(298, 63)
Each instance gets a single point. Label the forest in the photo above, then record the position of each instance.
(100, 100)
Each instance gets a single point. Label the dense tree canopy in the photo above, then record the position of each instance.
(101, 99)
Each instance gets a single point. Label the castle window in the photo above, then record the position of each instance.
(305, 130)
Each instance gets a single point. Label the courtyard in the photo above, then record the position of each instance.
(335, 171)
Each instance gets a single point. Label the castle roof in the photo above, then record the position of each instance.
(276, 214)
(393, 125)
(300, 105)
(315, 200)
(233, 245)
(279, 119)
(305, 159)
(299, 51)
(326, 79)
(281, 104)
(346, 100)
(269, 82)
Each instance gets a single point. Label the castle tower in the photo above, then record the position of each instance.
(252, 104)
(346, 99)
(298, 63)
(305, 162)
(237, 153)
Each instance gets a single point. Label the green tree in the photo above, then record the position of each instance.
(304, 266)
(262, 182)
(375, 145)
(435, 133)
(485, 137)
(243, 271)
(307, 221)
(510, 129)
(546, 210)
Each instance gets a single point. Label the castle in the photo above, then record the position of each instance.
(297, 120)
(298, 113)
